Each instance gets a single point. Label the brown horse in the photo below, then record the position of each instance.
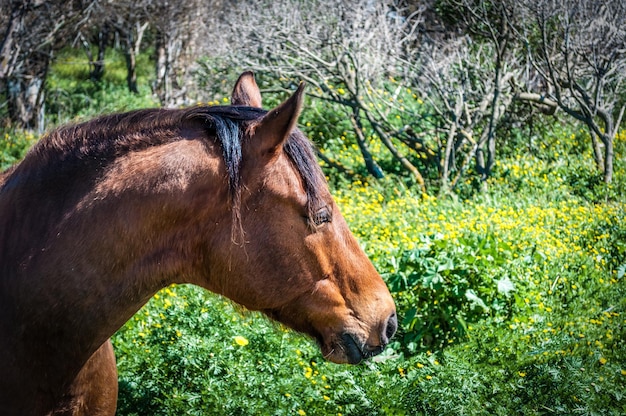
(99, 216)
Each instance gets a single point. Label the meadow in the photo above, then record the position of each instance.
(511, 301)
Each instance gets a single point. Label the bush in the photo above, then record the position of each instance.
(13, 146)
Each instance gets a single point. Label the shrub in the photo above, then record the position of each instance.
(13, 146)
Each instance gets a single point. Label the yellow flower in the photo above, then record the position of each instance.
(301, 412)
(522, 374)
(602, 360)
(241, 341)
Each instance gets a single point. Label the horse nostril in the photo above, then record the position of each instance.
(390, 328)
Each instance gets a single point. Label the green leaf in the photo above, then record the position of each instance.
(505, 286)
(475, 301)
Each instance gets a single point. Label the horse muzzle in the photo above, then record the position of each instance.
(349, 348)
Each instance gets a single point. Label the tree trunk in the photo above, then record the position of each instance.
(445, 166)
(161, 87)
(597, 151)
(370, 163)
(132, 46)
(98, 65)
(131, 66)
(608, 158)
(25, 98)
(8, 52)
(493, 116)
(406, 164)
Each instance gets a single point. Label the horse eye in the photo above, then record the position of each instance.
(322, 216)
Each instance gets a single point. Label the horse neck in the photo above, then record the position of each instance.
(73, 276)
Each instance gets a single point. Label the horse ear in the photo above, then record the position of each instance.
(274, 128)
(246, 91)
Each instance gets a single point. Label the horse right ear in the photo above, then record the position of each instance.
(273, 130)
(246, 91)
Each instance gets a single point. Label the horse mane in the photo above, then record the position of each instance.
(83, 150)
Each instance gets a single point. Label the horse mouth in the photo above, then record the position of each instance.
(339, 347)
(347, 349)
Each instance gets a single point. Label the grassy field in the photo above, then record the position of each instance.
(512, 301)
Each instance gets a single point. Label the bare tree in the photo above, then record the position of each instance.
(345, 50)
(130, 21)
(100, 38)
(178, 26)
(32, 30)
(579, 48)
(458, 81)
(491, 26)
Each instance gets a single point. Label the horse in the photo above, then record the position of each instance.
(101, 215)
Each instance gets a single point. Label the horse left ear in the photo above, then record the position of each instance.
(273, 130)
(246, 91)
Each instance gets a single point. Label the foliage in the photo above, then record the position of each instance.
(190, 352)
(13, 146)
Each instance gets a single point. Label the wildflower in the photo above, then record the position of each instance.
(241, 341)
(602, 360)
(521, 374)
(301, 412)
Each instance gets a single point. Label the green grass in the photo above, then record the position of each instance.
(71, 95)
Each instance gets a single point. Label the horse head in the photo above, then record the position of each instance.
(296, 259)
